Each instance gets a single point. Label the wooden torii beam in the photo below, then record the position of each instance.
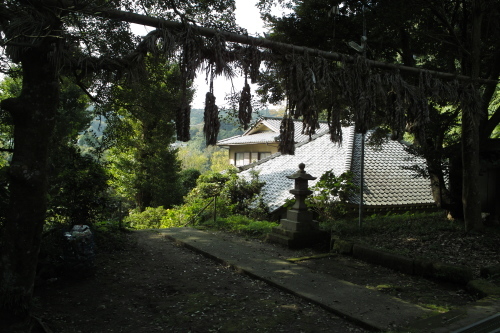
(160, 23)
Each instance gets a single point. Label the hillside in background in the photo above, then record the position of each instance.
(229, 125)
(194, 153)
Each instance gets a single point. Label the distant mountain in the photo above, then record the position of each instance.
(197, 115)
(95, 130)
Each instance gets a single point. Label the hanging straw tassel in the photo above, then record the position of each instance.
(182, 118)
(335, 124)
(287, 136)
(211, 118)
(182, 121)
(245, 109)
(256, 59)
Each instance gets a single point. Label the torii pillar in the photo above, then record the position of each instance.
(299, 229)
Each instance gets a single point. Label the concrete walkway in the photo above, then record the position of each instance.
(366, 307)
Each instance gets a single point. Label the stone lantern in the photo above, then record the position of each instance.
(298, 229)
(299, 218)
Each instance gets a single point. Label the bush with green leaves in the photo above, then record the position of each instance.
(331, 194)
(225, 192)
(188, 178)
(211, 184)
(192, 213)
(244, 195)
(242, 225)
(78, 192)
(149, 218)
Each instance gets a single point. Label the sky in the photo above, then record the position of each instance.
(248, 17)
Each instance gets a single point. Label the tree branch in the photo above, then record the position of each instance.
(85, 90)
(115, 14)
(183, 17)
(449, 27)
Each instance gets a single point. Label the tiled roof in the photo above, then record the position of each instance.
(386, 182)
(262, 137)
(273, 123)
(267, 130)
(319, 155)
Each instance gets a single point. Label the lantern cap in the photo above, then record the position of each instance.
(301, 174)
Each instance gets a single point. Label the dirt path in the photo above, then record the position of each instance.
(155, 286)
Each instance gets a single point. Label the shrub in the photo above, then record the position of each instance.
(418, 223)
(241, 224)
(235, 200)
(188, 179)
(233, 195)
(193, 213)
(243, 195)
(149, 218)
(330, 195)
(258, 228)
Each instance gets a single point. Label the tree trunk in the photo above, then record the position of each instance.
(33, 115)
(470, 129)
(470, 170)
(455, 181)
(440, 193)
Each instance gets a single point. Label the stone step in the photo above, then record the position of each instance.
(278, 239)
(296, 239)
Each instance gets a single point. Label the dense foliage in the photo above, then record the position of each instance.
(331, 194)
(78, 191)
(91, 41)
(48, 41)
(219, 201)
(143, 161)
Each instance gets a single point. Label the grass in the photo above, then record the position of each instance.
(418, 223)
(423, 235)
(240, 224)
(436, 308)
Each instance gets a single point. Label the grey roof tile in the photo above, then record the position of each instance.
(319, 155)
(386, 182)
(262, 137)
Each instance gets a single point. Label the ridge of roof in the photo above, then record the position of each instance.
(262, 119)
(271, 126)
(349, 148)
(227, 139)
